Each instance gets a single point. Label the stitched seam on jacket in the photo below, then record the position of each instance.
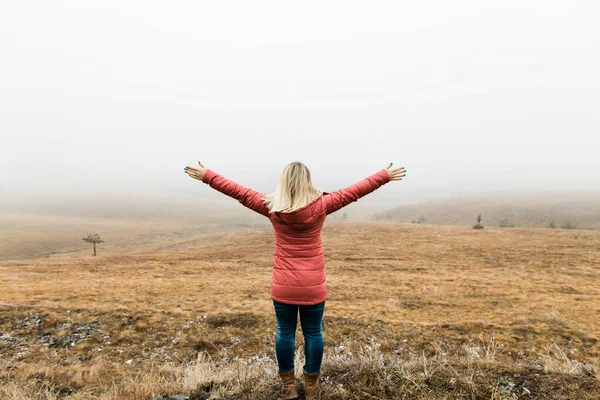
(278, 246)
(301, 286)
(316, 255)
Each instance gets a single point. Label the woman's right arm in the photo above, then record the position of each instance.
(342, 197)
(247, 197)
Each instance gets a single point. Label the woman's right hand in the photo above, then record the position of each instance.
(196, 173)
(395, 174)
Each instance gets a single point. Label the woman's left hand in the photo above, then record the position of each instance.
(196, 173)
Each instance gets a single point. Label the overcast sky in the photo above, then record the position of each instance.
(468, 95)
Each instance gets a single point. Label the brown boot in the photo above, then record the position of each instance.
(288, 390)
(311, 385)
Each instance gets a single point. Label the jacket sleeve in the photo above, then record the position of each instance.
(342, 197)
(248, 197)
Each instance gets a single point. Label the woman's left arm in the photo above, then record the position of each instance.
(248, 197)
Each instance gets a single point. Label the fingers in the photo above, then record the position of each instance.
(196, 173)
(397, 174)
(397, 169)
(193, 172)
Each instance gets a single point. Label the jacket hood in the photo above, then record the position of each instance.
(303, 217)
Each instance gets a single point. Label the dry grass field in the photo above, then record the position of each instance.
(414, 312)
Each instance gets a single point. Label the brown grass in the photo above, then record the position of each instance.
(426, 311)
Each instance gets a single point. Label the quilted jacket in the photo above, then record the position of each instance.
(298, 275)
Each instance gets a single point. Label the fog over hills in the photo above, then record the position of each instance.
(526, 209)
(37, 227)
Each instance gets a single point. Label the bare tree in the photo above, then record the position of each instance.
(478, 224)
(93, 238)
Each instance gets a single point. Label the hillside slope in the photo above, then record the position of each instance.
(532, 210)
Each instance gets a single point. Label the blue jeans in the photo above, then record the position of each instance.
(311, 319)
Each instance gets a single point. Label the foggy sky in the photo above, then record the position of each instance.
(469, 96)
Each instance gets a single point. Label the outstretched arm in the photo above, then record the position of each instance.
(248, 197)
(342, 197)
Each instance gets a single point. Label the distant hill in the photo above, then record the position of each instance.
(532, 210)
(45, 225)
(41, 226)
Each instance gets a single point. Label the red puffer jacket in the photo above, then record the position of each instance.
(298, 259)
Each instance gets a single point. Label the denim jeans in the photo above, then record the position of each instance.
(311, 320)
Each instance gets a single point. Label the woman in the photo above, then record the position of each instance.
(297, 211)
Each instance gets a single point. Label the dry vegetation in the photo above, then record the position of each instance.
(415, 312)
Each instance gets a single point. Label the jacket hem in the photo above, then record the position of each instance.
(297, 286)
(300, 302)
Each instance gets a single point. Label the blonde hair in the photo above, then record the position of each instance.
(295, 189)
